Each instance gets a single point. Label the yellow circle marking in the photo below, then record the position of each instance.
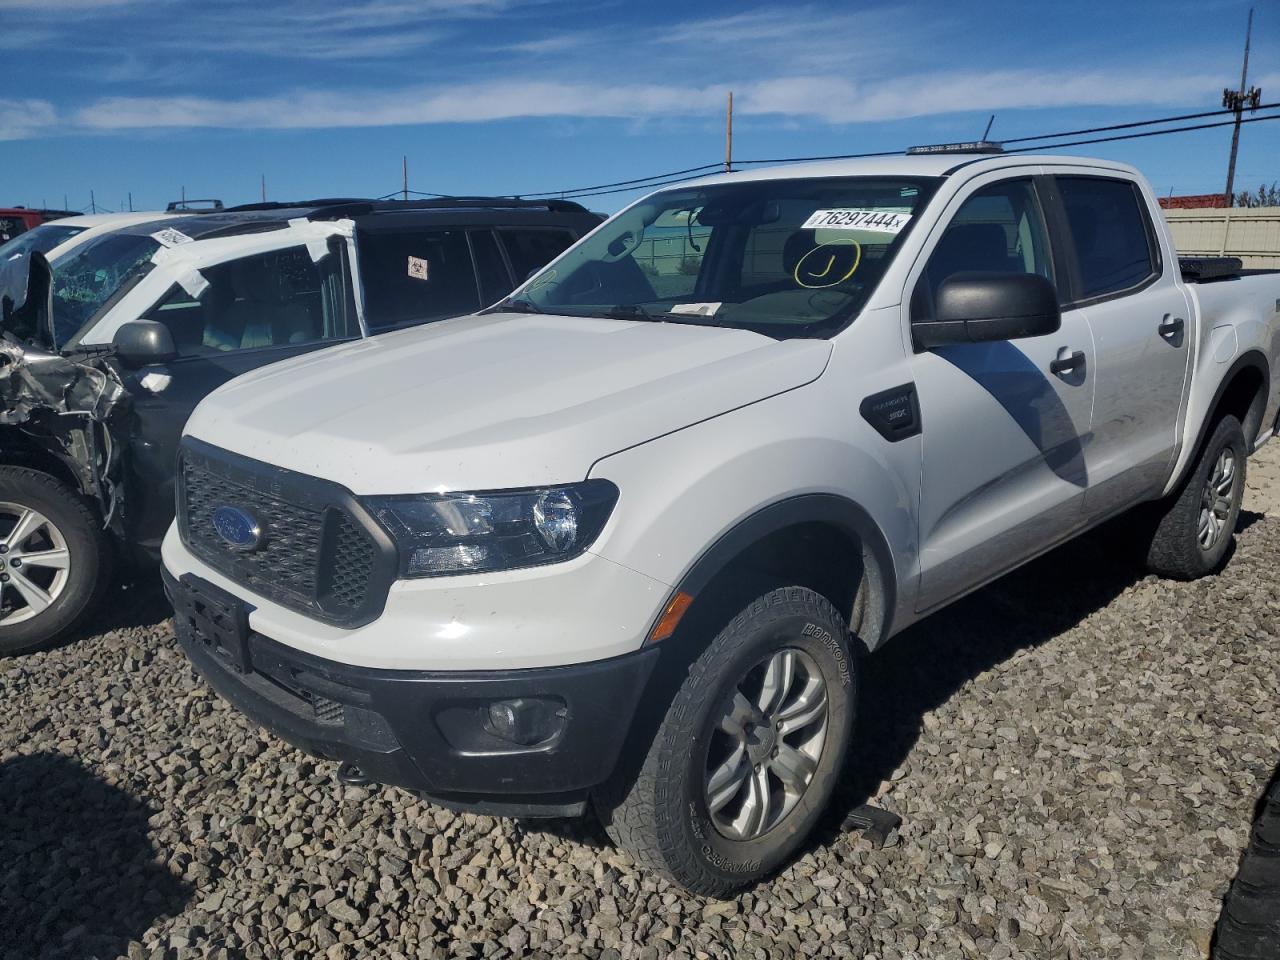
(857, 259)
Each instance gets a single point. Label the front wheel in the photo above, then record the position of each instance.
(54, 560)
(749, 751)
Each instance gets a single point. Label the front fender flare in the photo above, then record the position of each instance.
(830, 509)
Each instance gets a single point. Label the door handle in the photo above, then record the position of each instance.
(1066, 362)
(1170, 327)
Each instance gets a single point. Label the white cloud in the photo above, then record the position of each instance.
(21, 119)
(847, 101)
(826, 99)
(457, 104)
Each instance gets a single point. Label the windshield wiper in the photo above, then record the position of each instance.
(634, 311)
(515, 306)
(630, 311)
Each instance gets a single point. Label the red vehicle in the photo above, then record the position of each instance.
(16, 220)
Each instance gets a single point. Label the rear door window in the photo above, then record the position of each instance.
(1110, 235)
(415, 276)
(267, 300)
(533, 248)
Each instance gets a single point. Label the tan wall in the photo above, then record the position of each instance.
(1250, 233)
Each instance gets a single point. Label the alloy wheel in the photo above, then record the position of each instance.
(766, 744)
(34, 563)
(1216, 499)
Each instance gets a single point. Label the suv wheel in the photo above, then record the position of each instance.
(53, 560)
(749, 751)
(1197, 526)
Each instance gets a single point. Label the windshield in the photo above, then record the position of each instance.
(87, 280)
(42, 239)
(787, 258)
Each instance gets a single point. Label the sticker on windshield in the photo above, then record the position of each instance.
(169, 237)
(417, 268)
(696, 309)
(875, 221)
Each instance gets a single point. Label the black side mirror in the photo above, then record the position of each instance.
(140, 342)
(981, 307)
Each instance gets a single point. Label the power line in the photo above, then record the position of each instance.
(1127, 126)
(1146, 133)
(660, 183)
(691, 173)
(625, 183)
(842, 156)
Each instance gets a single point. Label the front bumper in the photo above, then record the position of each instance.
(429, 731)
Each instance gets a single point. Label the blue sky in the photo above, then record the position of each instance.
(503, 96)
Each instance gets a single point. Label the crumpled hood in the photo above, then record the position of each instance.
(494, 401)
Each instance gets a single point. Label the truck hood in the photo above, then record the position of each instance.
(494, 401)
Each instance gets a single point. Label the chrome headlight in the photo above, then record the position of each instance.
(450, 533)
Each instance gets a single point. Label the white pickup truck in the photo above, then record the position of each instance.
(622, 540)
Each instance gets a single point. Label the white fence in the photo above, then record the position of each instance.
(1250, 233)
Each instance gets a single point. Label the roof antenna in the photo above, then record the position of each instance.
(988, 130)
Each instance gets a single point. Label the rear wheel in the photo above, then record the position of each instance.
(749, 751)
(53, 560)
(1196, 527)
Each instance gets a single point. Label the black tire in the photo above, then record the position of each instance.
(661, 816)
(1249, 927)
(1175, 550)
(88, 572)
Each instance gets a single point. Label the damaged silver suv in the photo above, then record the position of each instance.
(104, 355)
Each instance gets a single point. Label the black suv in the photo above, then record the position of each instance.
(104, 355)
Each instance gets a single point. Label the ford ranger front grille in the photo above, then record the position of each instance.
(302, 542)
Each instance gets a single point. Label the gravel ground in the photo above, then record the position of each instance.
(1075, 752)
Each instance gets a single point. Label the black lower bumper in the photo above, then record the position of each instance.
(432, 732)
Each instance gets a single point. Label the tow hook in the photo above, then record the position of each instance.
(352, 776)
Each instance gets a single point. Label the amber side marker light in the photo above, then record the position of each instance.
(670, 618)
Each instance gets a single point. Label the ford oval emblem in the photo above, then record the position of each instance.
(238, 528)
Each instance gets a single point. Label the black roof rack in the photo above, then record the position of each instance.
(292, 204)
(185, 206)
(968, 146)
(359, 208)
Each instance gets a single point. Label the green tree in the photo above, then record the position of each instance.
(1264, 196)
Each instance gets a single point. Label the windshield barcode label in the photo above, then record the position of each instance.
(876, 221)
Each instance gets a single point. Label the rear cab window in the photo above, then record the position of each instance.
(1112, 238)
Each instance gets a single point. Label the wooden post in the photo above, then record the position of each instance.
(728, 136)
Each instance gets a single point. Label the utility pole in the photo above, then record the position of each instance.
(1238, 100)
(728, 136)
(404, 173)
